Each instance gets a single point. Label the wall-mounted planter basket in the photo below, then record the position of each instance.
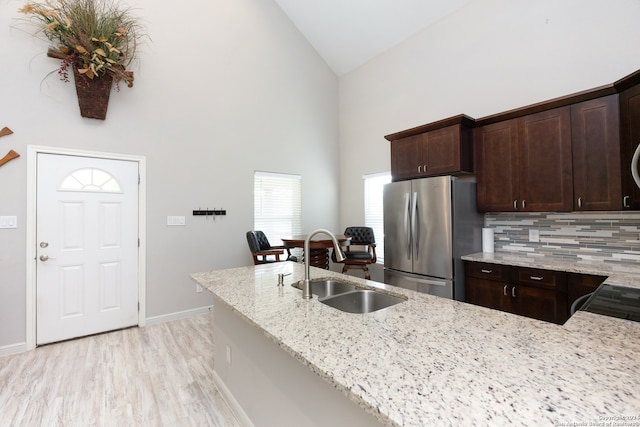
(93, 94)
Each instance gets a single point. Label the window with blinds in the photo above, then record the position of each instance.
(277, 205)
(373, 208)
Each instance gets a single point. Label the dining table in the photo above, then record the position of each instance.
(319, 247)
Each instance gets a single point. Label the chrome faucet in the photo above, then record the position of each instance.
(306, 285)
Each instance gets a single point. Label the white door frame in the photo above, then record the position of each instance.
(32, 157)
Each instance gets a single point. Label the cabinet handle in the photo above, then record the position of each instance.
(505, 290)
(536, 277)
(625, 202)
(419, 171)
(515, 205)
(424, 168)
(580, 202)
(524, 204)
(513, 292)
(487, 271)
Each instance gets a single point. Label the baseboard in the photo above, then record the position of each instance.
(235, 407)
(13, 348)
(178, 315)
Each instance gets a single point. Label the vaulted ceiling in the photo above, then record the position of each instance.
(348, 33)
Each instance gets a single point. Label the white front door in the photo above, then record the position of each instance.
(87, 254)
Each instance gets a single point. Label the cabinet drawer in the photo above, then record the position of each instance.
(487, 271)
(542, 278)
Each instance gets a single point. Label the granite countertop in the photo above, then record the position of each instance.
(618, 273)
(434, 361)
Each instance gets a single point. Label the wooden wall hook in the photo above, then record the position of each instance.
(10, 156)
(5, 131)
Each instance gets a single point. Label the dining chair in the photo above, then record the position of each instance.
(364, 239)
(261, 249)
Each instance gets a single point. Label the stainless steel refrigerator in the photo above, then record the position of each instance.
(429, 223)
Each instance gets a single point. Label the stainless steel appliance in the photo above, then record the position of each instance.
(429, 224)
(615, 301)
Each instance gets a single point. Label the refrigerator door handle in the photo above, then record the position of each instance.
(414, 224)
(407, 215)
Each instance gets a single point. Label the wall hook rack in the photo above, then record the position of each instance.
(207, 212)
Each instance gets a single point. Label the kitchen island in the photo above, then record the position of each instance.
(434, 361)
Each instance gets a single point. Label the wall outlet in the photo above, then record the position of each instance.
(534, 235)
(228, 355)
(175, 220)
(198, 288)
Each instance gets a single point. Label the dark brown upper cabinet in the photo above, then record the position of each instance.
(524, 164)
(440, 148)
(497, 163)
(571, 153)
(546, 183)
(629, 140)
(595, 139)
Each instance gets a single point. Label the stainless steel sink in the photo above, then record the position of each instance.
(327, 287)
(361, 301)
(347, 297)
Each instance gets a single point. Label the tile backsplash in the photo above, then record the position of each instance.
(604, 236)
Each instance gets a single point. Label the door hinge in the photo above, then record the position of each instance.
(139, 179)
(138, 242)
(138, 306)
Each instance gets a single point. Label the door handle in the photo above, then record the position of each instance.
(625, 202)
(45, 258)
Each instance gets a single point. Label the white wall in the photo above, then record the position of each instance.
(223, 88)
(489, 57)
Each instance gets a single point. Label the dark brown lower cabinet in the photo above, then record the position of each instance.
(543, 304)
(536, 293)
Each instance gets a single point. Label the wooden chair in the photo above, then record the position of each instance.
(365, 239)
(261, 249)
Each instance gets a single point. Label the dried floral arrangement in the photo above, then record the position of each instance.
(97, 37)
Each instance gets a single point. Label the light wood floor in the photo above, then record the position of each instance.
(160, 375)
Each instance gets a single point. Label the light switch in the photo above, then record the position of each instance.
(175, 220)
(8, 222)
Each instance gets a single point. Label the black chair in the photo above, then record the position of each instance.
(261, 249)
(365, 239)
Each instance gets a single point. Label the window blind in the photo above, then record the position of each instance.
(277, 205)
(373, 208)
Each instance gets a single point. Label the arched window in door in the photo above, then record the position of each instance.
(90, 179)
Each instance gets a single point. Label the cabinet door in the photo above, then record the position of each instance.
(545, 164)
(629, 140)
(595, 141)
(441, 151)
(487, 293)
(406, 155)
(538, 303)
(496, 154)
